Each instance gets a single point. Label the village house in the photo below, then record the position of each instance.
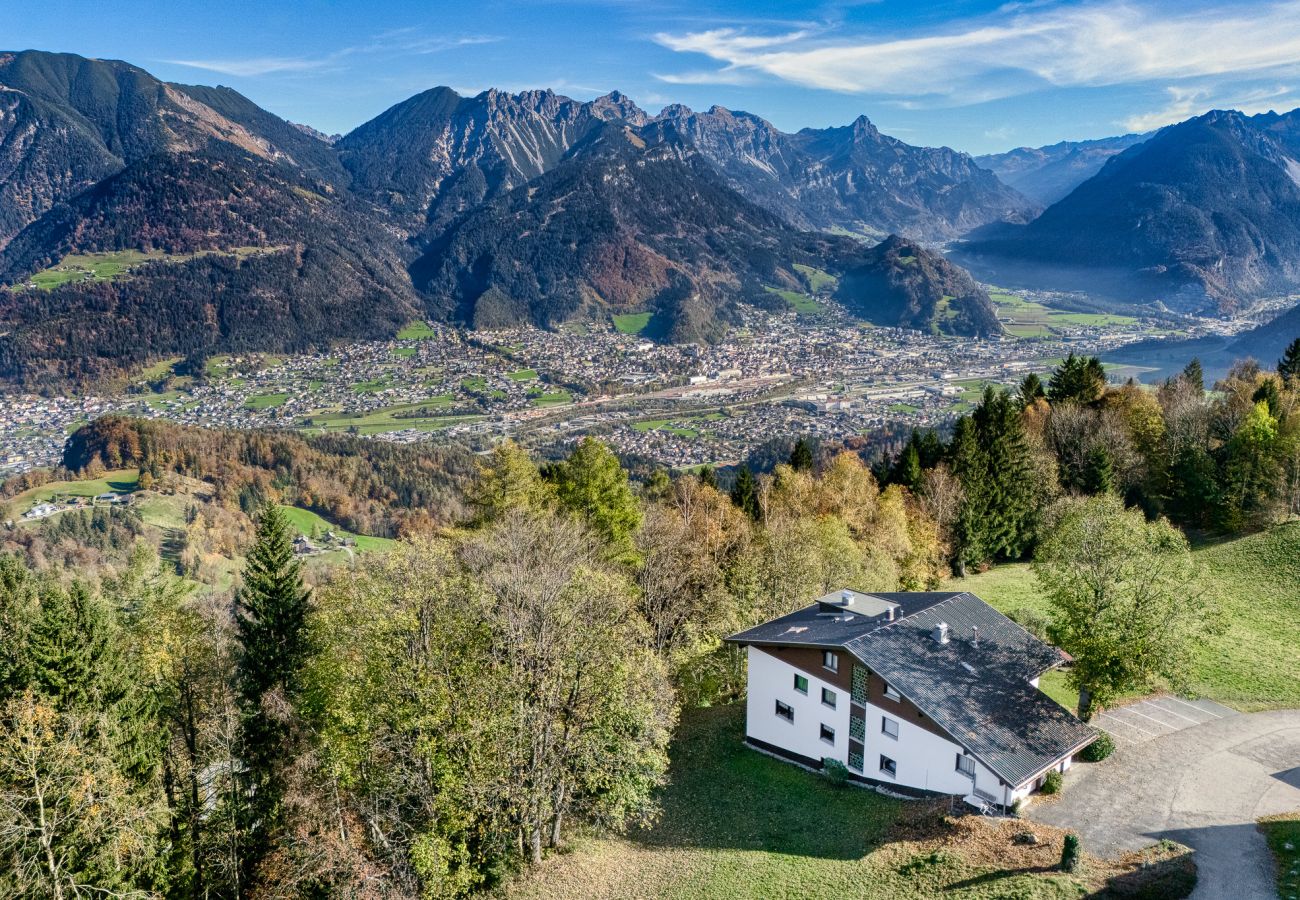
(919, 692)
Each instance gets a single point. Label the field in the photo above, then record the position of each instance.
(1026, 319)
(739, 824)
(556, 398)
(817, 279)
(1283, 836)
(416, 331)
(304, 520)
(800, 303)
(78, 267)
(266, 401)
(389, 418)
(119, 481)
(1252, 665)
(523, 375)
(632, 323)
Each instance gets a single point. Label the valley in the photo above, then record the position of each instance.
(814, 370)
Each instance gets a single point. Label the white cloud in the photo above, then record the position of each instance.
(1018, 49)
(243, 68)
(1185, 102)
(399, 41)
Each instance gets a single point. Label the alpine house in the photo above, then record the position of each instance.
(921, 692)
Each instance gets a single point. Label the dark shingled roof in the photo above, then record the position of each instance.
(978, 692)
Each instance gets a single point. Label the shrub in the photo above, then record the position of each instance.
(1031, 620)
(1052, 783)
(835, 771)
(1070, 853)
(1099, 749)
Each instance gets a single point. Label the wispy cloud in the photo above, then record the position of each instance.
(398, 41)
(1022, 47)
(1187, 102)
(252, 67)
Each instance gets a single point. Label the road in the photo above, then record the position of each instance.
(1204, 786)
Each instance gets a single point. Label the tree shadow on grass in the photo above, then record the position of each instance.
(726, 795)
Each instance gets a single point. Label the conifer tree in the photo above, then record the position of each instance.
(708, 477)
(1194, 375)
(1078, 379)
(1031, 389)
(1289, 365)
(271, 627)
(907, 470)
(801, 457)
(744, 493)
(1098, 473)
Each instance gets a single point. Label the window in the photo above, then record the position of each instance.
(828, 697)
(966, 765)
(889, 727)
(800, 683)
(831, 660)
(891, 694)
(785, 711)
(828, 734)
(889, 767)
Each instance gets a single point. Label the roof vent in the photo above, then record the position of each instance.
(940, 633)
(846, 598)
(975, 636)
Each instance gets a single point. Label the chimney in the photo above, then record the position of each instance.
(975, 636)
(940, 633)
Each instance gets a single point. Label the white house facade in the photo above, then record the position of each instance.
(921, 692)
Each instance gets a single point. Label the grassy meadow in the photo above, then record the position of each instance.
(1253, 580)
(739, 824)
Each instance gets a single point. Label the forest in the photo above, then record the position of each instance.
(435, 719)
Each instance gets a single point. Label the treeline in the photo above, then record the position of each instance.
(370, 487)
(427, 722)
(1226, 460)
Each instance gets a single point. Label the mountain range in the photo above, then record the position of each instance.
(254, 233)
(492, 210)
(1201, 216)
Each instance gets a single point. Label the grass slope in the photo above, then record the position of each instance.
(304, 520)
(1253, 579)
(632, 323)
(739, 824)
(1283, 836)
(118, 481)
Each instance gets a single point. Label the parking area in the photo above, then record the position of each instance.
(1156, 717)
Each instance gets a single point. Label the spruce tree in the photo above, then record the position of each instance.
(1289, 365)
(1098, 472)
(744, 493)
(271, 626)
(1078, 379)
(907, 470)
(801, 457)
(708, 477)
(1031, 389)
(1194, 375)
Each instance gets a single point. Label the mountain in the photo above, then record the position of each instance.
(624, 224)
(1046, 174)
(899, 282)
(252, 238)
(67, 122)
(438, 154)
(1201, 216)
(1267, 342)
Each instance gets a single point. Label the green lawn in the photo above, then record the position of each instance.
(405, 352)
(416, 331)
(1283, 836)
(905, 408)
(1027, 319)
(119, 481)
(373, 386)
(304, 520)
(265, 401)
(817, 279)
(398, 417)
(800, 303)
(77, 267)
(552, 399)
(523, 375)
(739, 824)
(632, 323)
(1253, 580)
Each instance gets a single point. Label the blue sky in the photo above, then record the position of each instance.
(976, 75)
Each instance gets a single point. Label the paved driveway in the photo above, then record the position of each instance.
(1204, 786)
(1158, 716)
